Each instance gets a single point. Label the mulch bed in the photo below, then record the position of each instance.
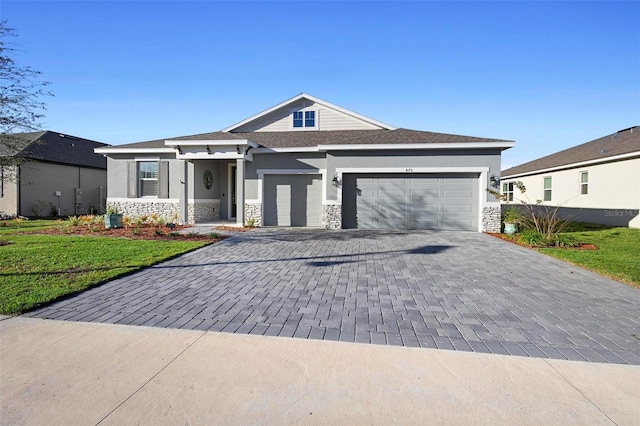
(144, 232)
(507, 238)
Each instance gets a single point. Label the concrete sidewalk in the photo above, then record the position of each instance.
(56, 372)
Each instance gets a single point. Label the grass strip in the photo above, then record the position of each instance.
(618, 254)
(36, 269)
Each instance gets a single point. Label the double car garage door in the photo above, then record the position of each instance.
(411, 201)
(377, 201)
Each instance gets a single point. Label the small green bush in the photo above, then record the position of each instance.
(213, 235)
(532, 237)
(564, 240)
(74, 220)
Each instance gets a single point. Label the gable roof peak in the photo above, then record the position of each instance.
(313, 99)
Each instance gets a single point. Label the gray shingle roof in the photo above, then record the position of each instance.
(300, 139)
(58, 148)
(622, 142)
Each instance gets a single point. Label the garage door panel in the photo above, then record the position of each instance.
(424, 181)
(393, 192)
(367, 193)
(424, 193)
(457, 208)
(424, 223)
(455, 224)
(393, 210)
(464, 194)
(399, 182)
(459, 181)
(417, 201)
(420, 208)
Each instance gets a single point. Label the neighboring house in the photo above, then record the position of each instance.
(58, 175)
(596, 182)
(307, 162)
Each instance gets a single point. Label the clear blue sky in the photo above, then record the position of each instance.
(548, 75)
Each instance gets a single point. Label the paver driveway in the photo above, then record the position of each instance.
(448, 290)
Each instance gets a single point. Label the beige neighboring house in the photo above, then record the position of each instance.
(59, 175)
(596, 182)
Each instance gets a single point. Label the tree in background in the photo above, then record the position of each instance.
(21, 105)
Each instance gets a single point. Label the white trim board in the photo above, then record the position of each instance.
(115, 150)
(409, 146)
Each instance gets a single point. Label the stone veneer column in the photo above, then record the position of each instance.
(253, 212)
(332, 216)
(492, 218)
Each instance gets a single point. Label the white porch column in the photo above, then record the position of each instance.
(240, 192)
(183, 213)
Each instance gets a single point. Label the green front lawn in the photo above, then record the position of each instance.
(618, 254)
(35, 269)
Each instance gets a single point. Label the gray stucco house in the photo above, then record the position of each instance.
(307, 162)
(54, 174)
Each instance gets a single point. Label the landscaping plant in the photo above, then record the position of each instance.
(540, 223)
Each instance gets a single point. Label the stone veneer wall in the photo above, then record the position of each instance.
(332, 216)
(492, 219)
(165, 209)
(203, 211)
(253, 211)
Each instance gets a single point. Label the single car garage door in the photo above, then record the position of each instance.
(292, 200)
(411, 201)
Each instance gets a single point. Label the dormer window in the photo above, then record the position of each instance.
(302, 119)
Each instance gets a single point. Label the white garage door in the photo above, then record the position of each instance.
(416, 201)
(292, 200)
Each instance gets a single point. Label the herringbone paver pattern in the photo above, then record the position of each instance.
(447, 290)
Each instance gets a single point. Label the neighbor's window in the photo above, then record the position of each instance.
(148, 172)
(304, 119)
(584, 183)
(507, 191)
(547, 188)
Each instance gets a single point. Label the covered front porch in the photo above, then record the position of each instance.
(213, 181)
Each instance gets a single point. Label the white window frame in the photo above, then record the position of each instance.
(304, 112)
(545, 189)
(141, 179)
(508, 193)
(584, 184)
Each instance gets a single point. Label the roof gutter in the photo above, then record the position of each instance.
(114, 150)
(409, 146)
